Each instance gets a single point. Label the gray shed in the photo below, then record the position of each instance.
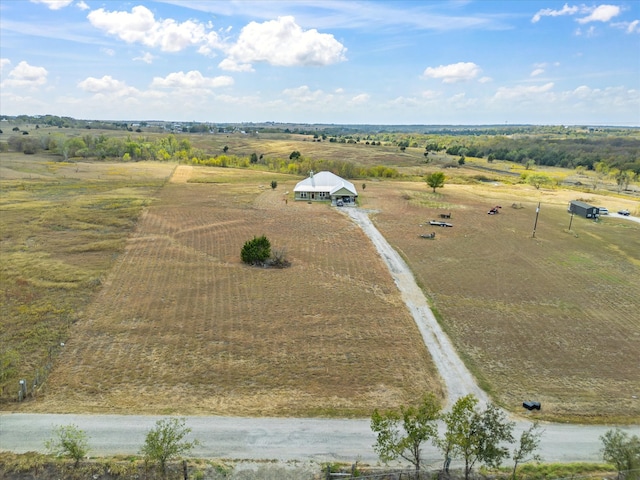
(583, 209)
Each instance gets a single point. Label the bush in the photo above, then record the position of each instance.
(68, 441)
(167, 441)
(256, 251)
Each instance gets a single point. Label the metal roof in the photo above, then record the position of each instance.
(324, 182)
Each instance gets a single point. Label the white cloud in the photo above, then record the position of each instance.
(549, 12)
(589, 32)
(146, 58)
(25, 75)
(232, 66)
(106, 85)
(456, 72)
(282, 42)
(4, 62)
(303, 94)
(602, 13)
(537, 71)
(189, 80)
(522, 92)
(54, 4)
(140, 26)
(361, 99)
(485, 79)
(82, 6)
(628, 27)
(110, 52)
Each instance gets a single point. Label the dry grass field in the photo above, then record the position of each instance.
(555, 318)
(160, 316)
(182, 326)
(61, 226)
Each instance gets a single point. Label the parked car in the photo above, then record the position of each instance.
(603, 211)
(340, 203)
(624, 212)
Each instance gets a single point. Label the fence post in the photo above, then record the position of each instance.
(23, 390)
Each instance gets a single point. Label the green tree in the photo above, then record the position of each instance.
(401, 433)
(256, 251)
(476, 436)
(538, 180)
(274, 184)
(529, 443)
(68, 441)
(225, 149)
(253, 158)
(166, 441)
(435, 180)
(294, 155)
(622, 451)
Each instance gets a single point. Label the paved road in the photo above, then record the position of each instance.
(307, 439)
(282, 439)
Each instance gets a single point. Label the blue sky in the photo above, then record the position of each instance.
(323, 61)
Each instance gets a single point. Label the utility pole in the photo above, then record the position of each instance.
(536, 222)
(570, 221)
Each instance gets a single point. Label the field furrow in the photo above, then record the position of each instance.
(183, 326)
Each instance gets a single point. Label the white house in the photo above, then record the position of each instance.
(324, 186)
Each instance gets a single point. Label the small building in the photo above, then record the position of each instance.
(326, 186)
(583, 209)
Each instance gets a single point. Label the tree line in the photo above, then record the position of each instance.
(478, 436)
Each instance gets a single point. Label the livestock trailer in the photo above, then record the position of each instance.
(583, 209)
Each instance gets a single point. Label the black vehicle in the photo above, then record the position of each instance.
(624, 212)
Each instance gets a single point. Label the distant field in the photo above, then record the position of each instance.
(160, 316)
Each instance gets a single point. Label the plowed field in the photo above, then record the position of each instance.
(553, 318)
(182, 326)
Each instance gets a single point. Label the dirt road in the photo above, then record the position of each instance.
(457, 379)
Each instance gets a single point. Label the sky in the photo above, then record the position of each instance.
(455, 62)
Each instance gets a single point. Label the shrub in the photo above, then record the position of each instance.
(256, 251)
(68, 441)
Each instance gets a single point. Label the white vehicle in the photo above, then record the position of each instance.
(603, 211)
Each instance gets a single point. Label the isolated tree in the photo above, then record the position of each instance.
(491, 158)
(401, 433)
(529, 443)
(364, 185)
(68, 441)
(166, 441)
(253, 158)
(476, 436)
(225, 149)
(256, 251)
(435, 180)
(622, 451)
(294, 155)
(538, 180)
(623, 179)
(274, 184)
(461, 160)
